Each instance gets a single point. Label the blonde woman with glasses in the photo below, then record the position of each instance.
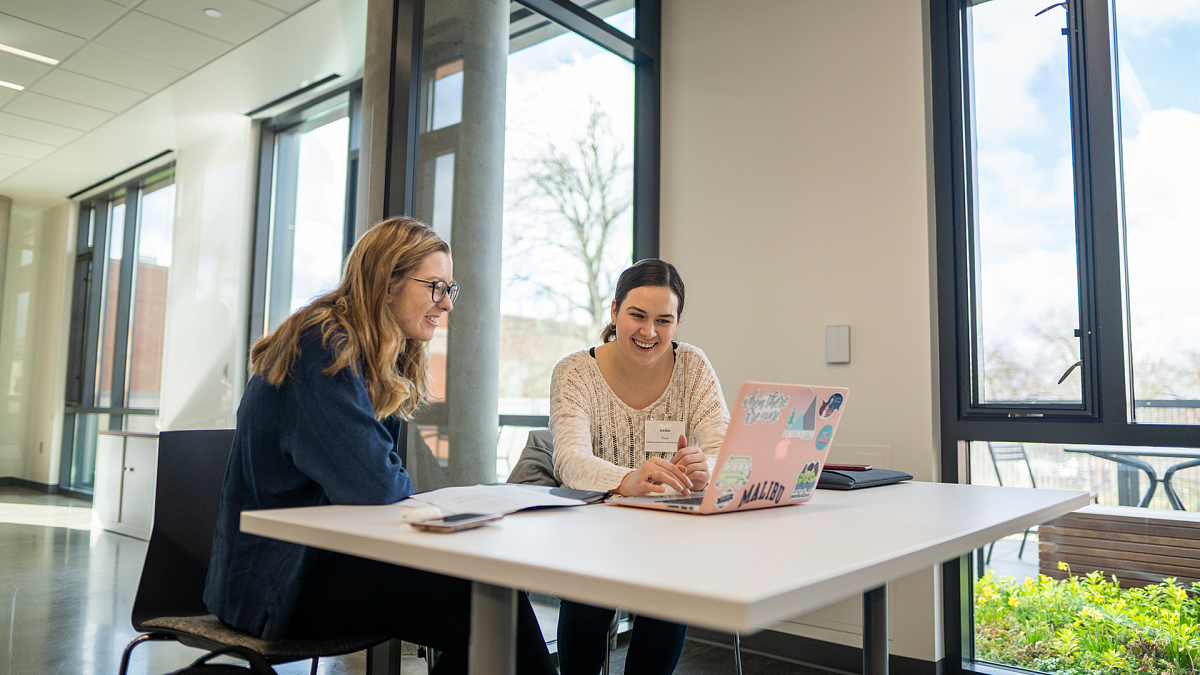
(320, 423)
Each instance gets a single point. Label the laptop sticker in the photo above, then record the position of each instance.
(767, 490)
(735, 472)
(725, 498)
(802, 423)
(806, 482)
(824, 437)
(763, 408)
(832, 405)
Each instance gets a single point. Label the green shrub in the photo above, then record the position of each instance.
(1087, 625)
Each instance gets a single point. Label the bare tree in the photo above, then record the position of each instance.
(580, 194)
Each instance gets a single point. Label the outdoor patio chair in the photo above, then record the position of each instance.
(1010, 452)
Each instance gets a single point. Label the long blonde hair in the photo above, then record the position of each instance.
(358, 327)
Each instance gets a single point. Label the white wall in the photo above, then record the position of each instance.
(794, 196)
(208, 288)
(33, 341)
(202, 118)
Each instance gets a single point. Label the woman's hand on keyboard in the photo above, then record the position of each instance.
(694, 463)
(654, 476)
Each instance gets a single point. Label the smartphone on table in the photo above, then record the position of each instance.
(456, 522)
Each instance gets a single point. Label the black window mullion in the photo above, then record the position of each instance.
(79, 307)
(1106, 339)
(591, 27)
(262, 237)
(125, 305)
(97, 286)
(283, 227)
(647, 114)
(352, 152)
(1086, 224)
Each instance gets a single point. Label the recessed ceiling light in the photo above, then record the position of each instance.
(10, 85)
(212, 12)
(29, 55)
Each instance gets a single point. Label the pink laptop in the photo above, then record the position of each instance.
(778, 438)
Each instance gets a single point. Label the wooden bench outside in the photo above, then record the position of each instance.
(1139, 546)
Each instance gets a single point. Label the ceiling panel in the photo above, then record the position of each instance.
(162, 41)
(240, 20)
(36, 130)
(7, 95)
(288, 6)
(5, 174)
(119, 67)
(40, 40)
(57, 111)
(87, 90)
(19, 70)
(84, 18)
(13, 163)
(20, 147)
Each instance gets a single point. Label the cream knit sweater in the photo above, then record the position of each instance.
(598, 439)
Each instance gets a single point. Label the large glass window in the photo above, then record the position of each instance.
(311, 160)
(1158, 47)
(1027, 301)
(123, 261)
(1070, 359)
(562, 186)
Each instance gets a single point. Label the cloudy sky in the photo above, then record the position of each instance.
(1026, 207)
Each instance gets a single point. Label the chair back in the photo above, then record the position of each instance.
(187, 498)
(1009, 452)
(536, 464)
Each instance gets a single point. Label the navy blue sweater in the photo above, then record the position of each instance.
(313, 440)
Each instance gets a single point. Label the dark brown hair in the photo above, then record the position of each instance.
(648, 272)
(357, 326)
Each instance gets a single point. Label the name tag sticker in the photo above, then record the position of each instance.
(663, 436)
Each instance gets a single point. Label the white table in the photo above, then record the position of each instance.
(734, 572)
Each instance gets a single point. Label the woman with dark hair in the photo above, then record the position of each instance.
(602, 401)
(319, 423)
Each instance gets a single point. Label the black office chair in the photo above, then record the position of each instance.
(1010, 452)
(169, 605)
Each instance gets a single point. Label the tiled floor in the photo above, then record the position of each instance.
(66, 592)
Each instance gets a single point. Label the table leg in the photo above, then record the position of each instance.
(1138, 464)
(875, 632)
(493, 648)
(1166, 481)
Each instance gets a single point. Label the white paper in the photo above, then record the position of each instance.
(487, 499)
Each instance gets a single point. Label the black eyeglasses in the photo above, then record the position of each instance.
(440, 289)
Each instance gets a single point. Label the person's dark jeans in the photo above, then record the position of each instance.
(354, 596)
(654, 648)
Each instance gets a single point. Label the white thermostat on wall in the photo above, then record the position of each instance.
(837, 344)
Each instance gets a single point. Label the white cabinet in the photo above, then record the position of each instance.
(123, 500)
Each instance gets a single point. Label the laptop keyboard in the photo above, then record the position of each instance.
(683, 501)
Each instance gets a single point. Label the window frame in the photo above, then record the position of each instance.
(269, 130)
(1106, 416)
(88, 300)
(404, 104)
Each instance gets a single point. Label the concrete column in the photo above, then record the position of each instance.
(373, 146)
(473, 358)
